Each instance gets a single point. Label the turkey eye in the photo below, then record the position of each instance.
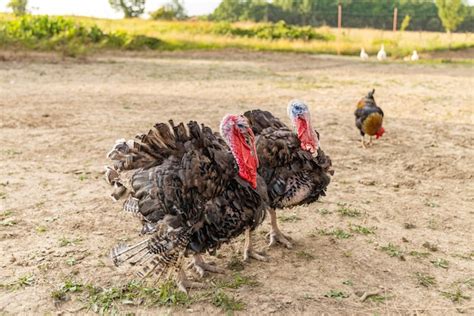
(240, 125)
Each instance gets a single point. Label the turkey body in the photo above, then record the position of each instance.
(188, 181)
(293, 175)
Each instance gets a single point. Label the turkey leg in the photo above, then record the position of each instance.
(248, 248)
(276, 235)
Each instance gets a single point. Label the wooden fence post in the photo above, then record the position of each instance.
(339, 16)
(395, 16)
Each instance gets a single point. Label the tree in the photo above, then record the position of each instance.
(170, 11)
(451, 13)
(18, 6)
(130, 8)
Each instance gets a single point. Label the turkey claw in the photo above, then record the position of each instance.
(200, 266)
(278, 237)
(249, 253)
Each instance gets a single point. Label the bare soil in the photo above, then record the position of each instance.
(413, 189)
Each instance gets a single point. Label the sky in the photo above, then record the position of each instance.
(102, 9)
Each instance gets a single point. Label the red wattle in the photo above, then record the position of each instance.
(246, 157)
(306, 135)
(379, 133)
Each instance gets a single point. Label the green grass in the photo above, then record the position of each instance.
(456, 296)
(292, 218)
(440, 263)
(346, 210)
(237, 281)
(393, 250)
(362, 230)
(336, 294)
(228, 303)
(425, 280)
(109, 300)
(63, 242)
(139, 34)
(337, 233)
(21, 282)
(235, 263)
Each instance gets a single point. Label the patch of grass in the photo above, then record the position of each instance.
(71, 261)
(69, 286)
(345, 210)
(8, 222)
(103, 300)
(237, 281)
(83, 177)
(425, 280)
(305, 255)
(440, 263)
(235, 263)
(324, 211)
(5, 214)
(377, 298)
(467, 256)
(456, 296)
(227, 303)
(63, 241)
(362, 230)
(393, 251)
(289, 218)
(336, 294)
(3, 195)
(21, 282)
(409, 226)
(419, 254)
(337, 233)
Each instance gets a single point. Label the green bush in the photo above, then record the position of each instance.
(58, 33)
(271, 31)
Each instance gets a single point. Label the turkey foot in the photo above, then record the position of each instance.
(248, 249)
(184, 283)
(200, 266)
(276, 235)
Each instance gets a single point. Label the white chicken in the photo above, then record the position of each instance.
(363, 54)
(382, 55)
(414, 56)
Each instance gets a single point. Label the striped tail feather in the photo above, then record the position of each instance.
(157, 254)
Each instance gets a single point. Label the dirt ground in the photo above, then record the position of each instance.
(397, 220)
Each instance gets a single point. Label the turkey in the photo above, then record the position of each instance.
(369, 118)
(294, 167)
(193, 188)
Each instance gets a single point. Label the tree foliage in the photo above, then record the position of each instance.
(18, 6)
(355, 13)
(170, 11)
(451, 13)
(130, 8)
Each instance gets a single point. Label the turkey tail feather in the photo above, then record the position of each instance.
(156, 254)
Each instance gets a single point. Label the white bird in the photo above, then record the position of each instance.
(382, 55)
(414, 56)
(363, 54)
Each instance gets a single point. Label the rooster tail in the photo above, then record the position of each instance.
(154, 255)
(370, 95)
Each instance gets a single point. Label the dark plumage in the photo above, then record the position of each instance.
(292, 174)
(369, 118)
(189, 187)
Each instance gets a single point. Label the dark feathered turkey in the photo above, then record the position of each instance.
(294, 176)
(189, 187)
(369, 118)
